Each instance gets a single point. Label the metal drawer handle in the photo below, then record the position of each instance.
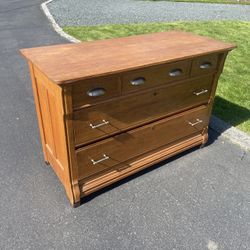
(96, 92)
(203, 91)
(138, 81)
(195, 123)
(104, 122)
(175, 72)
(206, 65)
(105, 157)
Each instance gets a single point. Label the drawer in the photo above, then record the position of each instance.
(95, 90)
(156, 75)
(102, 120)
(204, 65)
(117, 152)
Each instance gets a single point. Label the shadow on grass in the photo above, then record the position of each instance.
(230, 112)
(226, 110)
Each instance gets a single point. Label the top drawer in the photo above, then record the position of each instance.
(94, 90)
(204, 64)
(98, 89)
(155, 75)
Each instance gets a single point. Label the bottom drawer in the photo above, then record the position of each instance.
(115, 152)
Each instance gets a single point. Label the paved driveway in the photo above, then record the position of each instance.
(198, 200)
(94, 12)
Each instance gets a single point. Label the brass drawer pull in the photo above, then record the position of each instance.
(175, 72)
(105, 157)
(206, 65)
(104, 122)
(195, 123)
(203, 91)
(96, 92)
(138, 81)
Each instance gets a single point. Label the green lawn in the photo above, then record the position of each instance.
(209, 1)
(232, 102)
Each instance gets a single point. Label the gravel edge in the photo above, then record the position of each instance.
(226, 130)
(55, 26)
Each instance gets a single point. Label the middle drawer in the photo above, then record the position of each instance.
(103, 120)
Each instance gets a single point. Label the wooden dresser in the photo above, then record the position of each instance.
(107, 109)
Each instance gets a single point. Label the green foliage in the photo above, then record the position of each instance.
(232, 103)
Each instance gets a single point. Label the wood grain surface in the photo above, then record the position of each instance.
(135, 142)
(69, 62)
(137, 109)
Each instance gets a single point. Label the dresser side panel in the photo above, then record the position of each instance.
(52, 115)
(38, 110)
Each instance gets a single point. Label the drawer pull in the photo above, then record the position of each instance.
(206, 65)
(175, 72)
(138, 81)
(203, 91)
(105, 157)
(195, 123)
(104, 122)
(96, 92)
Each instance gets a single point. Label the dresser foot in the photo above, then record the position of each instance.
(205, 139)
(47, 163)
(75, 205)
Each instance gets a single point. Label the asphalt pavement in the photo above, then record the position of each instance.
(197, 200)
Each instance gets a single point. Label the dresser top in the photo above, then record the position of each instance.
(70, 62)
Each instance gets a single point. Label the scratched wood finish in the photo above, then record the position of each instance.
(147, 122)
(70, 62)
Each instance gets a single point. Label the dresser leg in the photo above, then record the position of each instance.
(73, 194)
(75, 205)
(205, 139)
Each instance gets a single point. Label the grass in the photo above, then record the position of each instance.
(232, 102)
(244, 2)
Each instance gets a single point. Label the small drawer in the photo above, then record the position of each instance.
(95, 90)
(105, 119)
(118, 152)
(204, 64)
(155, 75)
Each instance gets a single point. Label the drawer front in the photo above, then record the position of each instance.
(111, 117)
(204, 64)
(95, 90)
(156, 75)
(115, 152)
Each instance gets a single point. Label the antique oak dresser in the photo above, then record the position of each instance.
(107, 109)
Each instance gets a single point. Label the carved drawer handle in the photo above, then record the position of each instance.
(105, 157)
(104, 122)
(138, 81)
(175, 72)
(195, 123)
(206, 65)
(203, 91)
(96, 92)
